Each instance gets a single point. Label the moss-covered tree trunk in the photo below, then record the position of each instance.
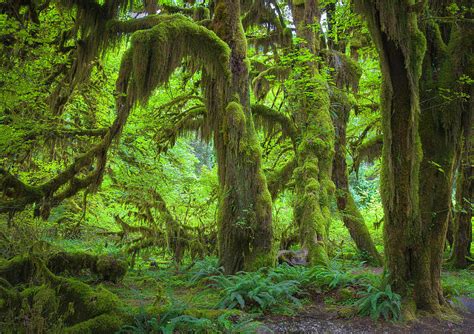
(245, 221)
(350, 214)
(417, 193)
(462, 236)
(440, 131)
(401, 47)
(315, 146)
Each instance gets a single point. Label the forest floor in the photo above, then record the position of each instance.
(319, 313)
(157, 291)
(316, 318)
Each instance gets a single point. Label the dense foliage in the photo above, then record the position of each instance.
(199, 166)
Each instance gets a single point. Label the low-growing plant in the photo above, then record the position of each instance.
(285, 272)
(332, 276)
(174, 320)
(254, 290)
(379, 301)
(205, 268)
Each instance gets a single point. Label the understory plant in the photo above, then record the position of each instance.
(379, 301)
(175, 320)
(256, 290)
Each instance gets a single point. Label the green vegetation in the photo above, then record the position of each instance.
(231, 166)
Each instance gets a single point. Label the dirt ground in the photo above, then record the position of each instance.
(316, 318)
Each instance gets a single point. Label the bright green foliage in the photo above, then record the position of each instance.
(380, 301)
(255, 290)
(179, 319)
(204, 269)
(151, 146)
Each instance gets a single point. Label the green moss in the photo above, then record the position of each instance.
(209, 313)
(158, 51)
(258, 260)
(18, 269)
(312, 186)
(298, 2)
(102, 324)
(111, 268)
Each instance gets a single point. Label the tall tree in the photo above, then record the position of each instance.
(418, 157)
(245, 229)
(315, 147)
(346, 75)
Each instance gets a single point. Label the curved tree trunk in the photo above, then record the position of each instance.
(315, 146)
(244, 219)
(350, 214)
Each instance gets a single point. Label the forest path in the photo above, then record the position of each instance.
(317, 319)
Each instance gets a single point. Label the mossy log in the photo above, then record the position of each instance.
(22, 268)
(80, 307)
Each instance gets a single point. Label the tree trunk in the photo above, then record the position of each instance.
(417, 196)
(244, 219)
(401, 48)
(440, 131)
(315, 147)
(351, 216)
(464, 194)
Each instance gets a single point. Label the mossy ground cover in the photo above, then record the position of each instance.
(157, 293)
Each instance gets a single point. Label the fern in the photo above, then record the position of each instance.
(378, 302)
(205, 268)
(331, 277)
(254, 290)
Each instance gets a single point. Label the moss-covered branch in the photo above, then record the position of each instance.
(368, 151)
(267, 118)
(278, 179)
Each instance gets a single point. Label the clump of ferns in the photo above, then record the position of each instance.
(378, 300)
(257, 291)
(204, 270)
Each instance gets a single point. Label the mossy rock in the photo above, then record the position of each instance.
(19, 269)
(73, 263)
(86, 301)
(347, 311)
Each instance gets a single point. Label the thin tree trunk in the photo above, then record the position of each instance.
(350, 214)
(464, 194)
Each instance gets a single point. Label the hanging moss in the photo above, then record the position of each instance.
(155, 53)
(261, 83)
(268, 118)
(347, 71)
(280, 178)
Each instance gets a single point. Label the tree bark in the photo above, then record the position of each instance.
(350, 214)
(401, 48)
(244, 219)
(417, 193)
(315, 145)
(461, 252)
